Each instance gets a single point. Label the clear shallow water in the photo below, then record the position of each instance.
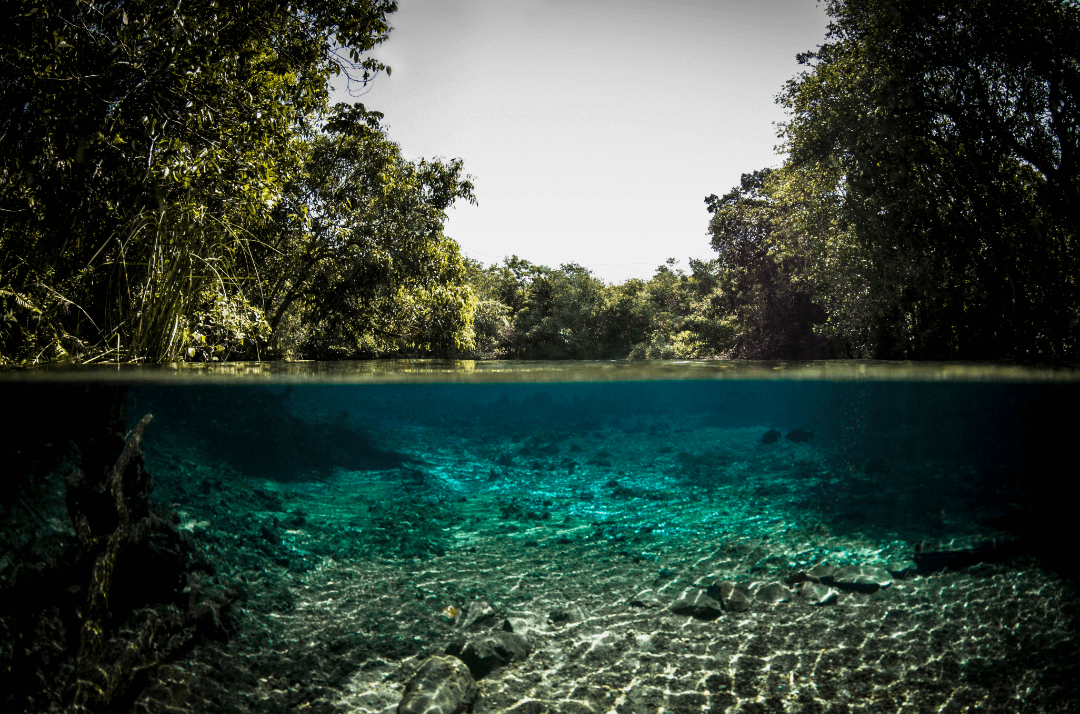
(346, 522)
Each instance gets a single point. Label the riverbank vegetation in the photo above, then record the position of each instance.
(175, 184)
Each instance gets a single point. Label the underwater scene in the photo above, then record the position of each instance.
(562, 539)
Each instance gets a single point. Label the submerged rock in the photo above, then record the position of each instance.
(861, 578)
(850, 578)
(490, 652)
(772, 593)
(817, 594)
(934, 555)
(699, 605)
(442, 685)
(477, 615)
(525, 626)
(566, 615)
(799, 435)
(733, 597)
(646, 598)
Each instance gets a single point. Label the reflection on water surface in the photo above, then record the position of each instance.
(444, 371)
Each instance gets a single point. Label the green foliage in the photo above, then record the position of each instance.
(770, 312)
(166, 191)
(949, 134)
(648, 319)
(680, 310)
(560, 317)
(544, 313)
(168, 262)
(660, 345)
(508, 284)
(354, 262)
(832, 266)
(225, 327)
(174, 183)
(492, 329)
(150, 154)
(535, 312)
(628, 316)
(927, 209)
(24, 324)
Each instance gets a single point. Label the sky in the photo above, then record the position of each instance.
(593, 129)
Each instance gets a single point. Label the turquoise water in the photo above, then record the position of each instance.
(628, 537)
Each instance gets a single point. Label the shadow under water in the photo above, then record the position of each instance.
(254, 431)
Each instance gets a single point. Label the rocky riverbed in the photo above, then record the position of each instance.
(660, 568)
(607, 555)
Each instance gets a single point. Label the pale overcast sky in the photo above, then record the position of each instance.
(593, 129)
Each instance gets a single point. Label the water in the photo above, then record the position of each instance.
(588, 537)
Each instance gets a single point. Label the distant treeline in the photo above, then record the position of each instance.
(174, 184)
(535, 312)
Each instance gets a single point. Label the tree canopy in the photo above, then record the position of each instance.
(174, 183)
(149, 150)
(951, 131)
(355, 262)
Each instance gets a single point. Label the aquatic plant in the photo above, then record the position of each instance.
(106, 670)
(525, 509)
(410, 528)
(600, 458)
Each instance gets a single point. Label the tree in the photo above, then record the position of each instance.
(140, 143)
(493, 319)
(628, 317)
(831, 265)
(760, 298)
(514, 297)
(672, 315)
(953, 133)
(560, 319)
(356, 256)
